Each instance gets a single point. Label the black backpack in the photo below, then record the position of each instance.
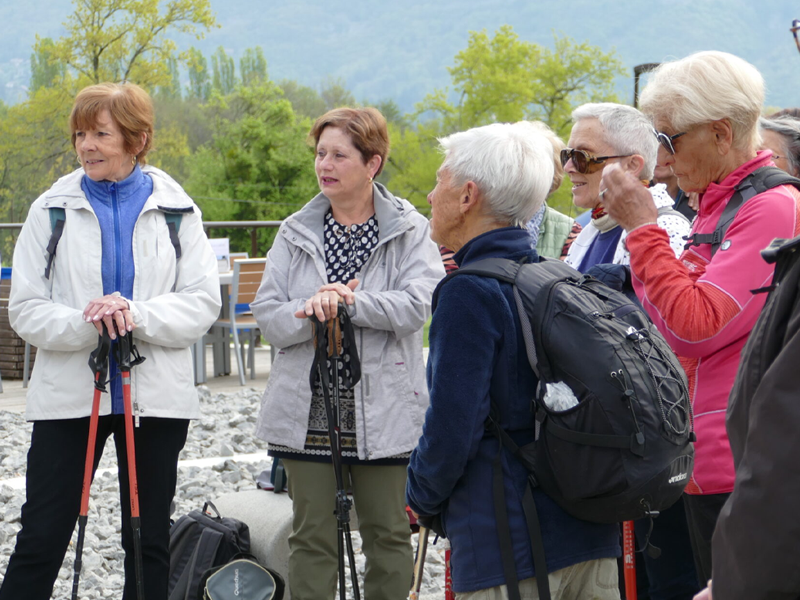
(757, 182)
(197, 542)
(623, 452)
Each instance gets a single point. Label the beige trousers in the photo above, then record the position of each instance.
(590, 580)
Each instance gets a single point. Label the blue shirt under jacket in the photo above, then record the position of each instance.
(477, 353)
(117, 206)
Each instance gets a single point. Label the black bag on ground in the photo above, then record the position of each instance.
(623, 450)
(199, 541)
(243, 578)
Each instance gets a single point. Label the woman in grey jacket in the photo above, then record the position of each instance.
(358, 244)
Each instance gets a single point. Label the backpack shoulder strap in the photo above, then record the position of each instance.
(174, 216)
(758, 182)
(503, 269)
(58, 217)
(502, 520)
(202, 560)
(174, 226)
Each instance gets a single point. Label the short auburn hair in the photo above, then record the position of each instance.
(365, 126)
(130, 107)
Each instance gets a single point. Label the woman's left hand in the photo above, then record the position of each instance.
(113, 311)
(625, 198)
(325, 303)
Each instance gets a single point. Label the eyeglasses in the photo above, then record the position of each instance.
(666, 140)
(794, 29)
(584, 162)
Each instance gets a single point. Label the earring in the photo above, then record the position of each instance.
(133, 160)
(369, 179)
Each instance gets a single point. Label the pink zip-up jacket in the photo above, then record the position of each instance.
(704, 307)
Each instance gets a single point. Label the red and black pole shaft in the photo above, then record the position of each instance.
(98, 362)
(124, 350)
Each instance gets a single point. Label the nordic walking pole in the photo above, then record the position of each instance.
(629, 549)
(327, 337)
(124, 349)
(419, 563)
(98, 362)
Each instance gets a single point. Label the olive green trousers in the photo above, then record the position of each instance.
(379, 496)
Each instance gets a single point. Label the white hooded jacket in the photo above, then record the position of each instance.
(174, 302)
(677, 226)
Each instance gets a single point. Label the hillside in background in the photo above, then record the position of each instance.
(401, 50)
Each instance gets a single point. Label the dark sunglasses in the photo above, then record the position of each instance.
(584, 162)
(666, 140)
(794, 29)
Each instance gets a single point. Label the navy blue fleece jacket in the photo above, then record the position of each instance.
(477, 353)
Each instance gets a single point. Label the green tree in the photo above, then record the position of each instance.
(253, 66)
(414, 158)
(35, 150)
(114, 40)
(224, 72)
(505, 79)
(334, 93)
(391, 112)
(257, 166)
(199, 82)
(173, 89)
(104, 40)
(501, 79)
(46, 69)
(305, 100)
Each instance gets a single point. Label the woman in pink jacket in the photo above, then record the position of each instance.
(705, 108)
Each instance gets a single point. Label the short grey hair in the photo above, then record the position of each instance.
(511, 164)
(789, 129)
(627, 131)
(705, 87)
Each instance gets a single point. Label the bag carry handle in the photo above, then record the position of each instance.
(208, 503)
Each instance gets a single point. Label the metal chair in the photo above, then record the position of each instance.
(247, 274)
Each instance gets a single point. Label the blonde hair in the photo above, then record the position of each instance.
(128, 104)
(558, 145)
(705, 87)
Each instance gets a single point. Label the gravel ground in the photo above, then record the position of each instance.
(226, 428)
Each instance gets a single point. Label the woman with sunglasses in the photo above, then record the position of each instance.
(705, 108)
(604, 134)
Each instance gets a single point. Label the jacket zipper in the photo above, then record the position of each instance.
(118, 281)
(364, 384)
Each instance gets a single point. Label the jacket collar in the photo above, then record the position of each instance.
(721, 192)
(102, 190)
(167, 193)
(391, 212)
(506, 242)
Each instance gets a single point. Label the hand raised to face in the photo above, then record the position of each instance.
(625, 198)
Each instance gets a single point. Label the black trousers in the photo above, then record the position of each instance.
(53, 491)
(701, 515)
(672, 575)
